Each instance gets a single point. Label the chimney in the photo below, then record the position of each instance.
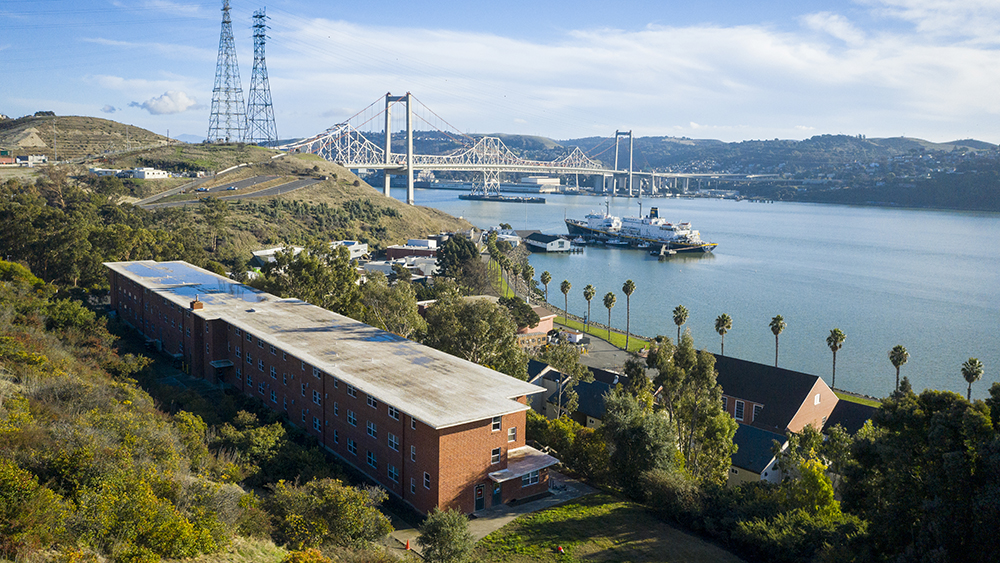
(195, 305)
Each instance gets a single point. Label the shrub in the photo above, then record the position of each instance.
(311, 555)
(445, 537)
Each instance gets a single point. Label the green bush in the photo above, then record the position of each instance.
(326, 511)
(31, 516)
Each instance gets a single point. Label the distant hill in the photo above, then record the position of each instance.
(72, 137)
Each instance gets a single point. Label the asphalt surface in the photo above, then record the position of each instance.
(223, 192)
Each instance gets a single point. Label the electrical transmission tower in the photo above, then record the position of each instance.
(227, 123)
(260, 114)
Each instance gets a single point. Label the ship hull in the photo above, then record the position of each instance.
(579, 228)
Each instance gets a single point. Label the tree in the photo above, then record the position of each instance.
(680, 317)
(522, 313)
(391, 308)
(723, 324)
(565, 358)
(321, 276)
(545, 279)
(835, 341)
(215, 212)
(327, 511)
(777, 325)
(588, 293)
(445, 537)
(972, 371)
(564, 287)
(528, 275)
(459, 259)
(479, 331)
(639, 440)
(609, 302)
(628, 288)
(898, 356)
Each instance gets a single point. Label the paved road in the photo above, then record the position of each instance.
(233, 195)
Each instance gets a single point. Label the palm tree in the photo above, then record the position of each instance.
(588, 293)
(627, 289)
(680, 317)
(835, 341)
(527, 274)
(972, 370)
(545, 279)
(723, 323)
(898, 356)
(609, 302)
(564, 287)
(777, 325)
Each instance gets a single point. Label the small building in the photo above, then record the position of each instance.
(754, 459)
(534, 337)
(31, 160)
(264, 257)
(105, 171)
(356, 249)
(590, 408)
(538, 242)
(570, 335)
(423, 266)
(413, 247)
(149, 174)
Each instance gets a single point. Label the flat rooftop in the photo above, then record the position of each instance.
(437, 389)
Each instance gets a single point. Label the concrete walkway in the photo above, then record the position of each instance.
(486, 521)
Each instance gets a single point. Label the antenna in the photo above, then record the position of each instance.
(226, 124)
(260, 115)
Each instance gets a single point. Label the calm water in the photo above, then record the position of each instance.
(929, 280)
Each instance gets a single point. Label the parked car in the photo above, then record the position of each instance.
(231, 188)
(202, 190)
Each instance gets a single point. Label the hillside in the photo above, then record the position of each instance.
(73, 137)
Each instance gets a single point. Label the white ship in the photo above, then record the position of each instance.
(651, 229)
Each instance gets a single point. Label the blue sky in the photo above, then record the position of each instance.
(721, 69)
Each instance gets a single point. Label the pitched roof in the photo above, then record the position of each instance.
(544, 239)
(536, 368)
(753, 447)
(850, 416)
(590, 398)
(781, 391)
(608, 377)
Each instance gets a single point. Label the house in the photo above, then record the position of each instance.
(149, 173)
(534, 337)
(417, 265)
(571, 336)
(413, 247)
(31, 160)
(850, 416)
(264, 257)
(105, 171)
(537, 242)
(355, 249)
(432, 429)
(754, 459)
(590, 403)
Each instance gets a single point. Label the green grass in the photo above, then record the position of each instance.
(617, 338)
(855, 399)
(598, 527)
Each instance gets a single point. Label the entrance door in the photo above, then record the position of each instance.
(480, 497)
(497, 497)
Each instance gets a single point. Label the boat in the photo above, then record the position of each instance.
(579, 241)
(502, 198)
(651, 230)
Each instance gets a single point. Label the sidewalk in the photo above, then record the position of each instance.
(486, 521)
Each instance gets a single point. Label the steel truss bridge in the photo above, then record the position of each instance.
(348, 147)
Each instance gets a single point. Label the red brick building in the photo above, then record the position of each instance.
(433, 429)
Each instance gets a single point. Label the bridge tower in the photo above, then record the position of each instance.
(389, 100)
(260, 114)
(618, 136)
(227, 122)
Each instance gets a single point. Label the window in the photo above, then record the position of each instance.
(372, 402)
(315, 372)
(393, 474)
(249, 338)
(336, 384)
(756, 411)
(274, 397)
(352, 446)
(284, 379)
(427, 480)
(725, 403)
(739, 410)
(239, 374)
(284, 403)
(238, 332)
(274, 372)
(336, 409)
(249, 359)
(260, 365)
(238, 352)
(284, 355)
(316, 424)
(413, 486)
(413, 423)
(273, 351)
(372, 429)
(413, 453)
(393, 412)
(372, 460)
(495, 456)
(188, 332)
(336, 437)
(352, 418)
(530, 479)
(512, 434)
(303, 364)
(393, 442)
(260, 387)
(317, 398)
(260, 343)
(249, 380)
(496, 424)
(303, 389)
(303, 415)
(816, 400)
(351, 391)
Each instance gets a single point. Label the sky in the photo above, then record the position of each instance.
(717, 69)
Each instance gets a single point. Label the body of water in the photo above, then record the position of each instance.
(929, 280)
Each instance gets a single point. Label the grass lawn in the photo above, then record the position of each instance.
(617, 338)
(597, 527)
(851, 398)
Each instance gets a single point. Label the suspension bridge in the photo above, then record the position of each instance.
(347, 145)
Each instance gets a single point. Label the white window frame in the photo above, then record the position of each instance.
(497, 423)
(393, 441)
(738, 411)
(393, 412)
(372, 429)
(495, 455)
(352, 418)
(512, 434)
(529, 479)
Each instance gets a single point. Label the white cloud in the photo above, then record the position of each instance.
(169, 103)
(969, 19)
(109, 109)
(836, 25)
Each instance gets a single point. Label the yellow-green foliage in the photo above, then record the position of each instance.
(326, 511)
(31, 516)
(311, 555)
